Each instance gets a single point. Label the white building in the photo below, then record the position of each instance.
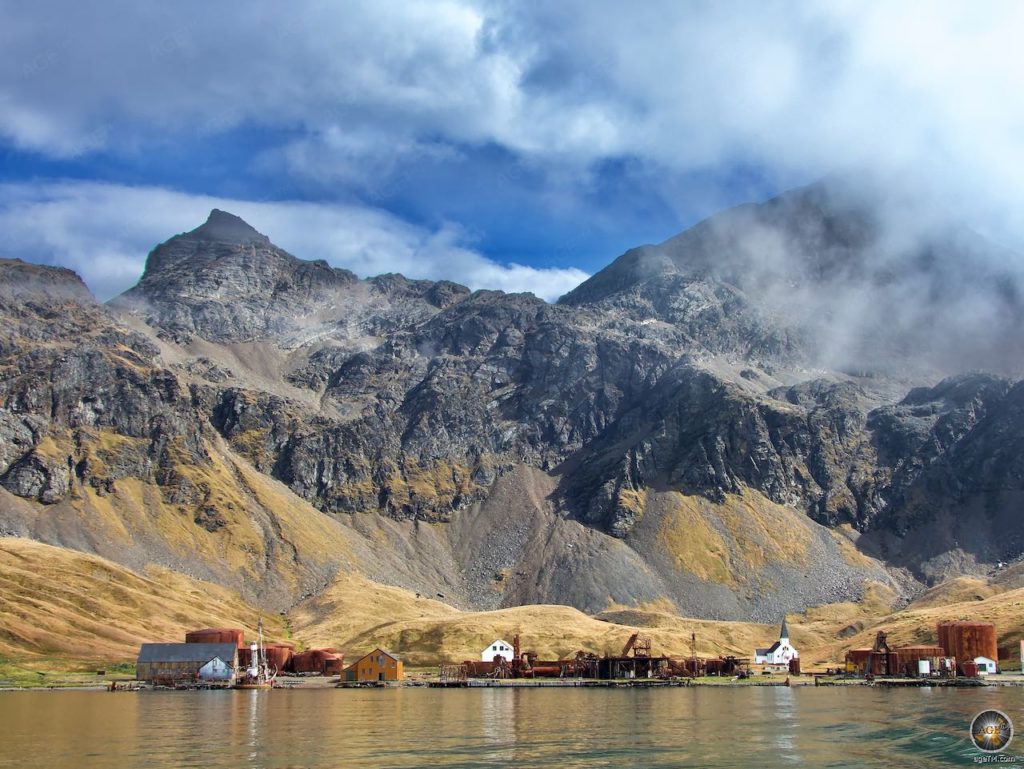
(216, 670)
(985, 665)
(780, 652)
(497, 649)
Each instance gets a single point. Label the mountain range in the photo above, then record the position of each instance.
(787, 405)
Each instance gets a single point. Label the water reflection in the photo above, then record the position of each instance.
(707, 727)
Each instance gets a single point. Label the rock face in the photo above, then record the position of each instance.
(713, 421)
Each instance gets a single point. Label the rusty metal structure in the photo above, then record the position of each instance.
(279, 655)
(635, 661)
(216, 636)
(903, 661)
(968, 640)
(325, 662)
(873, 661)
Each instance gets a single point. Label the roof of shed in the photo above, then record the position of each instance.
(375, 652)
(177, 652)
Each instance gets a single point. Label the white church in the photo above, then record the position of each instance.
(780, 652)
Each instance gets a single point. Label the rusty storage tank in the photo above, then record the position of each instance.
(970, 669)
(306, 662)
(692, 666)
(903, 660)
(547, 670)
(714, 667)
(279, 655)
(479, 668)
(794, 666)
(967, 640)
(316, 661)
(214, 635)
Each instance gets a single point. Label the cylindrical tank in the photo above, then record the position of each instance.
(214, 635)
(794, 666)
(304, 662)
(547, 671)
(713, 667)
(279, 655)
(967, 640)
(478, 668)
(316, 661)
(970, 669)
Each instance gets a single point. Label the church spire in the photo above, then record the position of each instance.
(784, 633)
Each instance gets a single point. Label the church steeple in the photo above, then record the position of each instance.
(784, 633)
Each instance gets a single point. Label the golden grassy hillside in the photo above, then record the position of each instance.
(355, 615)
(917, 623)
(56, 602)
(62, 604)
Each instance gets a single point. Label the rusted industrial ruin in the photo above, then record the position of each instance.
(960, 647)
(281, 657)
(634, 662)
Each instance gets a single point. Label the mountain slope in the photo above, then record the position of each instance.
(684, 428)
(58, 602)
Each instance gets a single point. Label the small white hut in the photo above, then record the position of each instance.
(497, 649)
(985, 665)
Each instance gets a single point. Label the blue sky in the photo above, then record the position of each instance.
(503, 145)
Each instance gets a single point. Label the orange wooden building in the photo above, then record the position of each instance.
(378, 665)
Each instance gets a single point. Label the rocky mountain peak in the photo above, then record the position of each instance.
(225, 227)
(226, 282)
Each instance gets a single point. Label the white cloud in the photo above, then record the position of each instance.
(104, 231)
(923, 90)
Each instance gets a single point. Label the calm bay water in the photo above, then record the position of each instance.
(758, 727)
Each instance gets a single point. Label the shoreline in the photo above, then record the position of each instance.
(319, 683)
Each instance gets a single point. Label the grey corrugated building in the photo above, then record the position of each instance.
(185, 662)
